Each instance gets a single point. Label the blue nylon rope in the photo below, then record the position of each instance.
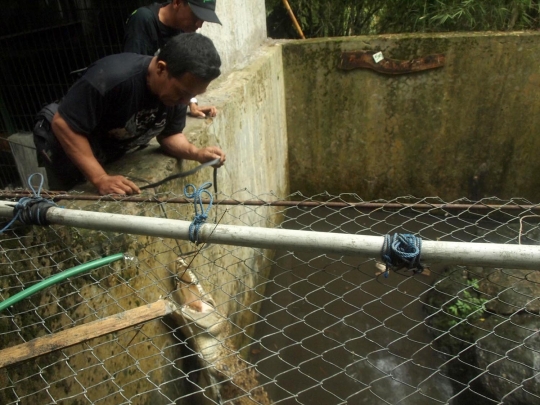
(402, 250)
(201, 215)
(31, 210)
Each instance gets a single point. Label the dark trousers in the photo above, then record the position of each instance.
(62, 174)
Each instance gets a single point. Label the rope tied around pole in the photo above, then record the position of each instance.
(402, 250)
(31, 210)
(201, 215)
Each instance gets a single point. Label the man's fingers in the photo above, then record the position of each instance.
(118, 190)
(132, 186)
(221, 158)
(218, 153)
(119, 185)
(197, 114)
(209, 111)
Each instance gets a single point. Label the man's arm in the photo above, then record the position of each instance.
(79, 151)
(179, 147)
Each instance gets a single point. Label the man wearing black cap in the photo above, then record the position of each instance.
(150, 27)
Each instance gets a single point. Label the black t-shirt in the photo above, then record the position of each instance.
(113, 106)
(145, 34)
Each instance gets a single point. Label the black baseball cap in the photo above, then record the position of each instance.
(205, 10)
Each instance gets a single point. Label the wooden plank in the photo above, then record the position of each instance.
(82, 333)
(24, 152)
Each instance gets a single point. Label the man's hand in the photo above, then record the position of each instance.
(202, 111)
(115, 185)
(210, 153)
(178, 146)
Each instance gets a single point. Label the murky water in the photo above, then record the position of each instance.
(336, 333)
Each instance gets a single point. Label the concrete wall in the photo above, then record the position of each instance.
(466, 130)
(242, 32)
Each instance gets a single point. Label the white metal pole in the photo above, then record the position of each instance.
(471, 254)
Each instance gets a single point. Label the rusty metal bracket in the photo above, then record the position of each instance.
(368, 60)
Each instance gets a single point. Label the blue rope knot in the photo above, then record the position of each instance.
(402, 250)
(201, 215)
(31, 210)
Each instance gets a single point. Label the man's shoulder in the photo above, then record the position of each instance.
(145, 13)
(114, 70)
(122, 61)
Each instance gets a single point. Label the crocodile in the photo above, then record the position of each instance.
(230, 378)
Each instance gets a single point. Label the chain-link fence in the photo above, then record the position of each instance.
(256, 325)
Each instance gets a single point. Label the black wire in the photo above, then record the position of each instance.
(184, 174)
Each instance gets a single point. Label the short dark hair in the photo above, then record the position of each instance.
(193, 53)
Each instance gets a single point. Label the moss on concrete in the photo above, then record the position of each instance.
(465, 130)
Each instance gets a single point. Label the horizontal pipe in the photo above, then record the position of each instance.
(460, 253)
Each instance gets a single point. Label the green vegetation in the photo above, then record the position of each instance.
(469, 304)
(322, 18)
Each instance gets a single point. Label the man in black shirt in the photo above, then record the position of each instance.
(150, 27)
(125, 100)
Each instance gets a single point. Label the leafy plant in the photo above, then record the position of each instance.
(322, 18)
(468, 305)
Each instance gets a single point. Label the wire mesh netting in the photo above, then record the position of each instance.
(254, 325)
(45, 50)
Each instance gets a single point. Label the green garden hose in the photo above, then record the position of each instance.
(58, 278)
